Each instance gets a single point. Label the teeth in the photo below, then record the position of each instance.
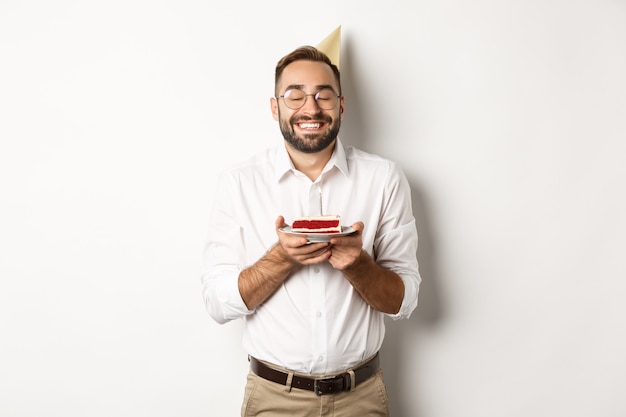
(310, 125)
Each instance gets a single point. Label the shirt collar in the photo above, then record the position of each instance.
(283, 164)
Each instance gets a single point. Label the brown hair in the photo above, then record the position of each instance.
(305, 53)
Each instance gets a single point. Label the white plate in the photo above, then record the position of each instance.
(319, 237)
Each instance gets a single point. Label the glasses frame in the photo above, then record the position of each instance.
(306, 96)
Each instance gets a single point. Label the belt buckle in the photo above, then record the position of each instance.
(318, 389)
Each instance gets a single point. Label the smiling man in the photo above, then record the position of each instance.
(313, 311)
(318, 130)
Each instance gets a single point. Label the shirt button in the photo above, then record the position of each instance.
(321, 358)
(319, 314)
(316, 270)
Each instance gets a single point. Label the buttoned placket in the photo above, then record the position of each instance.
(315, 199)
(318, 289)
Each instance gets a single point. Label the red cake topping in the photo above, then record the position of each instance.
(317, 224)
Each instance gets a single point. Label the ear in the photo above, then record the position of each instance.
(274, 107)
(341, 108)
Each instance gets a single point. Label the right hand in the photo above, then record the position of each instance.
(297, 248)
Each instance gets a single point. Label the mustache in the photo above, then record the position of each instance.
(318, 116)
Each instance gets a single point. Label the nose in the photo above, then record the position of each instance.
(310, 104)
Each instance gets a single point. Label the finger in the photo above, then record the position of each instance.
(280, 222)
(353, 239)
(318, 257)
(314, 249)
(358, 227)
(294, 242)
(324, 250)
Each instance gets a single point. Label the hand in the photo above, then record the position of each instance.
(345, 250)
(297, 248)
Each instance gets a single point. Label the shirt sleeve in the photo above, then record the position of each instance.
(396, 242)
(224, 257)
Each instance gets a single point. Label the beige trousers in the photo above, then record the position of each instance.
(264, 398)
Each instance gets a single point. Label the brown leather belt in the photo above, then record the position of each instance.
(321, 386)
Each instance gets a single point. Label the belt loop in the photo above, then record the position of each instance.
(288, 383)
(352, 380)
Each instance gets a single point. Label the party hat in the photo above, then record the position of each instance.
(331, 46)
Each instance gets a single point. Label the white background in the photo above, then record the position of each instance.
(508, 117)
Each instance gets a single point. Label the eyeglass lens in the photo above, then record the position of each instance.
(325, 98)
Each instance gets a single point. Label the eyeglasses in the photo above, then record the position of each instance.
(326, 98)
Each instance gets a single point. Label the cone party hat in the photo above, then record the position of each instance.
(331, 46)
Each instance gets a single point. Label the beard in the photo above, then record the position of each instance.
(310, 143)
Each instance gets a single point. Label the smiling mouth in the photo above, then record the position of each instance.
(309, 125)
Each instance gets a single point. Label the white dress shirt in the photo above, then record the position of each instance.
(315, 322)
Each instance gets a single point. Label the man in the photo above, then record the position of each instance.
(313, 312)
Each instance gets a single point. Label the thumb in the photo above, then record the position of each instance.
(280, 222)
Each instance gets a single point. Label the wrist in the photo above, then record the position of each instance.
(279, 255)
(362, 261)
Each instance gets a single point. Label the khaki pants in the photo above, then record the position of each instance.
(264, 398)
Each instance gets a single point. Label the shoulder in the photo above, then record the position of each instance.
(360, 158)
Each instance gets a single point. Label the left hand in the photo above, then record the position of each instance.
(345, 250)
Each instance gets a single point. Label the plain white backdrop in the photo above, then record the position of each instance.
(508, 117)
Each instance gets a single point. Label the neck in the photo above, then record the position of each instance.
(310, 164)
